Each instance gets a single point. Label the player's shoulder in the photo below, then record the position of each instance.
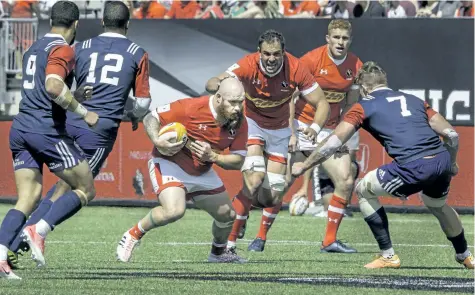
(251, 59)
(50, 41)
(353, 59)
(319, 51)
(196, 104)
(295, 64)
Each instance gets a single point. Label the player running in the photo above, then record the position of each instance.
(334, 69)
(409, 130)
(38, 134)
(270, 77)
(182, 172)
(112, 65)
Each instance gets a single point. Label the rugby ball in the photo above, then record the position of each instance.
(298, 206)
(178, 131)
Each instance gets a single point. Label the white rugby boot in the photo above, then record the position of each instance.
(6, 272)
(36, 243)
(126, 246)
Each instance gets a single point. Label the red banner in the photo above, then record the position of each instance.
(125, 174)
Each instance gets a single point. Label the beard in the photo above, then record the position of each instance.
(227, 121)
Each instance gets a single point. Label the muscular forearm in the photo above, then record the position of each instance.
(152, 127)
(229, 162)
(322, 113)
(351, 98)
(292, 115)
(62, 96)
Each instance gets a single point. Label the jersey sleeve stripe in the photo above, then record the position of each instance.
(54, 43)
(310, 90)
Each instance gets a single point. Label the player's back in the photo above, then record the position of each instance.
(37, 112)
(110, 63)
(399, 122)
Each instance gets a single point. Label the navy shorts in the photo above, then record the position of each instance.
(32, 150)
(96, 147)
(431, 175)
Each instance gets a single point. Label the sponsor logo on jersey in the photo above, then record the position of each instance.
(18, 163)
(323, 72)
(163, 109)
(381, 173)
(349, 74)
(233, 67)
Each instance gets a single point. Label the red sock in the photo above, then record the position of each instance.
(137, 231)
(242, 205)
(268, 217)
(336, 209)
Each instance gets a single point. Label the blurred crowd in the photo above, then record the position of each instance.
(173, 9)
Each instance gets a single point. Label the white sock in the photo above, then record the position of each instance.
(3, 253)
(462, 256)
(389, 253)
(42, 228)
(231, 244)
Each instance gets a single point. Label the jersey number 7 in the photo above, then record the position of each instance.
(404, 111)
(119, 60)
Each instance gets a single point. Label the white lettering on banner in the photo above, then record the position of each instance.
(140, 155)
(105, 176)
(455, 97)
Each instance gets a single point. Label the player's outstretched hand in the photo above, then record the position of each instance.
(298, 168)
(91, 119)
(293, 142)
(165, 145)
(203, 151)
(309, 133)
(83, 93)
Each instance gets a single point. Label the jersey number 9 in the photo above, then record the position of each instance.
(30, 72)
(119, 60)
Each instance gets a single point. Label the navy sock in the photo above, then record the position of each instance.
(378, 223)
(459, 242)
(11, 226)
(63, 208)
(36, 216)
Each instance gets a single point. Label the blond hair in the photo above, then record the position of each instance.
(370, 75)
(340, 24)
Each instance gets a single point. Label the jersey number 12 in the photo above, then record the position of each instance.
(119, 60)
(404, 111)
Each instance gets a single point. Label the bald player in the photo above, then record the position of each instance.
(183, 171)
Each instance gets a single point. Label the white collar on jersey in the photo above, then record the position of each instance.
(267, 74)
(336, 61)
(51, 35)
(381, 88)
(211, 107)
(112, 35)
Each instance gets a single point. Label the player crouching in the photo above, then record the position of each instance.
(409, 130)
(183, 170)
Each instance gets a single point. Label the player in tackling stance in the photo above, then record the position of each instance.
(180, 172)
(270, 77)
(408, 129)
(38, 133)
(111, 64)
(334, 69)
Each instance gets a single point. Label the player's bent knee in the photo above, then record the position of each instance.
(275, 182)
(174, 214)
(254, 163)
(83, 196)
(434, 202)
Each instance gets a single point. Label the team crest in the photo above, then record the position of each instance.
(349, 74)
(232, 132)
(285, 84)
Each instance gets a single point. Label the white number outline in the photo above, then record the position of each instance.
(402, 99)
(119, 61)
(30, 70)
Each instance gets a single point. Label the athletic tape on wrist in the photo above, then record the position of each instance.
(81, 110)
(316, 127)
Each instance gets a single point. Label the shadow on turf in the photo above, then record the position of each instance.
(362, 281)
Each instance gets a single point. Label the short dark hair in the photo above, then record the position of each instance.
(64, 14)
(371, 74)
(271, 36)
(116, 14)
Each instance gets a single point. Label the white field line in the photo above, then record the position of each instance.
(269, 242)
